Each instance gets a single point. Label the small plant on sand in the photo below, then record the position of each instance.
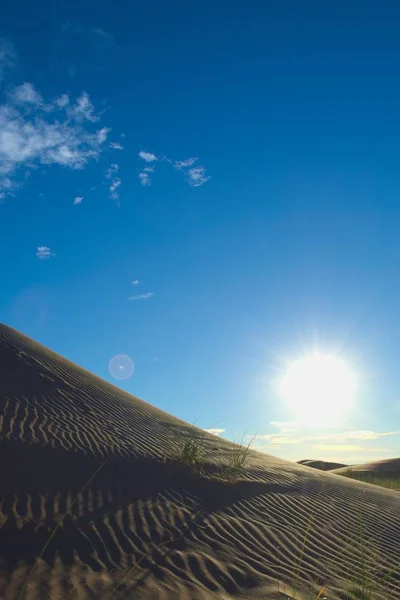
(191, 453)
(238, 457)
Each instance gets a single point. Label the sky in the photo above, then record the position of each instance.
(195, 197)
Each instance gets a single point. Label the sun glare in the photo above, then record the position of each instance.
(318, 389)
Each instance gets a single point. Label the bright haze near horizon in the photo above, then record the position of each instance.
(200, 204)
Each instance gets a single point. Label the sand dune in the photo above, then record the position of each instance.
(91, 498)
(322, 465)
(383, 472)
(381, 467)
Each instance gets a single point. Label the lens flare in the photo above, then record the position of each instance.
(121, 366)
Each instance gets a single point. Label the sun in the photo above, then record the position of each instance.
(318, 389)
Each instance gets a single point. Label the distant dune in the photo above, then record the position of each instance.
(93, 506)
(383, 472)
(382, 467)
(322, 465)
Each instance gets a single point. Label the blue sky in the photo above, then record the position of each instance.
(212, 190)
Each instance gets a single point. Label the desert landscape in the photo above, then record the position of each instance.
(104, 496)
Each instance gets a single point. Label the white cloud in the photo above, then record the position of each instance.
(62, 101)
(102, 134)
(285, 426)
(26, 93)
(114, 189)
(287, 435)
(184, 164)
(147, 156)
(136, 282)
(115, 182)
(215, 431)
(112, 171)
(197, 176)
(266, 448)
(343, 448)
(83, 109)
(41, 136)
(116, 146)
(44, 252)
(77, 200)
(144, 179)
(145, 296)
(280, 438)
(355, 435)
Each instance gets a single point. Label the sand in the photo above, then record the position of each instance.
(140, 525)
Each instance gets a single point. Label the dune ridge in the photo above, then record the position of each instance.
(146, 526)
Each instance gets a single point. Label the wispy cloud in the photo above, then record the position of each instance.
(343, 448)
(280, 438)
(44, 252)
(62, 101)
(184, 164)
(145, 296)
(115, 182)
(105, 39)
(197, 176)
(77, 200)
(114, 189)
(112, 170)
(356, 435)
(144, 178)
(116, 146)
(324, 442)
(7, 56)
(94, 35)
(147, 156)
(215, 431)
(33, 133)
(26, 93)
(80, 49)
(285, 426)
(83, 109)
(135, 282)
(266, 448)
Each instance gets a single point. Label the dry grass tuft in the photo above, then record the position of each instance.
(191, 453)
(238, 458)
